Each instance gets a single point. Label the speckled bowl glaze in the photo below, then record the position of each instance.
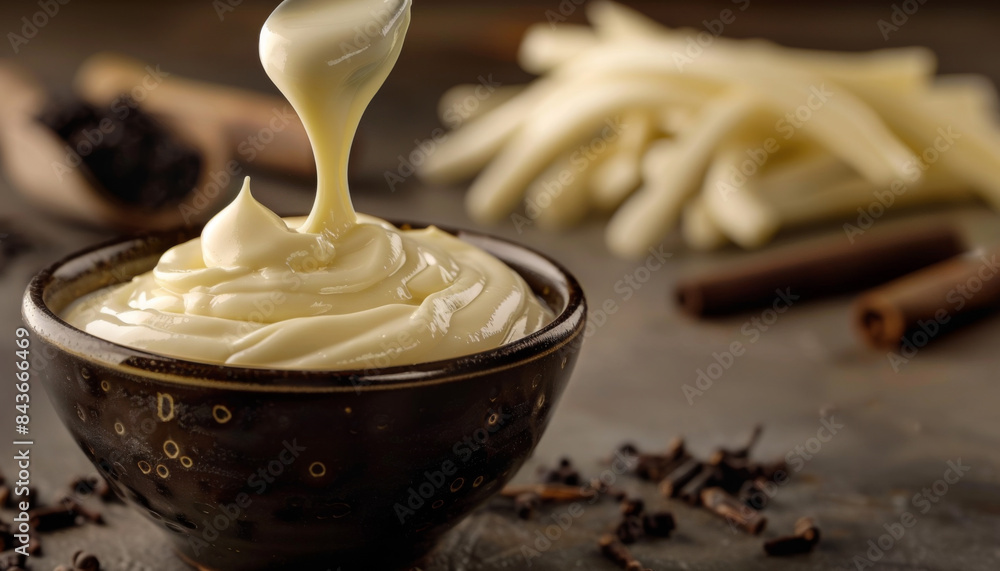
(251, 469)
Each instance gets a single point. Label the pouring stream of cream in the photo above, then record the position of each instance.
(336, 290)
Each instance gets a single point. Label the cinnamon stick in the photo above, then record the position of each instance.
(815, 270)
(930, 301)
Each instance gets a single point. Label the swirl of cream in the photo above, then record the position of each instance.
(255, 291)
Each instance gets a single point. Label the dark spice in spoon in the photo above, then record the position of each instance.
(126, 152)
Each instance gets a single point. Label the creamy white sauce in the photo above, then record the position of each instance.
(335, 290)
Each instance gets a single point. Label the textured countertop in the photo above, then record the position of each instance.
(895, 431)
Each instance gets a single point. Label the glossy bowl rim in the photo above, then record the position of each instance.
(565, 327)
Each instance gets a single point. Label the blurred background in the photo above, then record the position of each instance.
(452, 42)
(901, 423)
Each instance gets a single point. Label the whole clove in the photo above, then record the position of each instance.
(636, 523)
(631, 526)
(753, 493)
(654, 467)
(633, 506)
(805, 539)
(732, 471)
(616, 551)
(83, 561)
(601, 489)
(564, 474)
(53, 518)
(744, 451)
(67, 512)
(628, 449)
(630, 529)
(676, 448)
(691, 492)
(671, 485)
(651, 468)
(659, 524)
(736, 512)
(806, 527)
(525, 504)
(81, 510)
(788, 545)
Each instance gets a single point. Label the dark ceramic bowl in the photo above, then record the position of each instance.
(251, 469)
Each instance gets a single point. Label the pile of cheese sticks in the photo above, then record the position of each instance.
(730, 139)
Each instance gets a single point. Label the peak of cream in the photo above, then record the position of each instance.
(247, 234)
(336, 290)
